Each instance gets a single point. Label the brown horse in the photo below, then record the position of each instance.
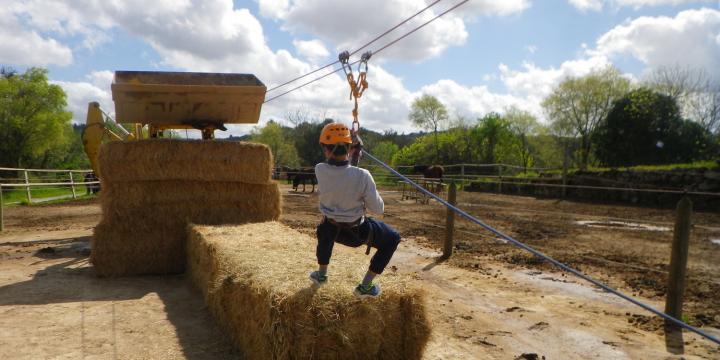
(430, 171)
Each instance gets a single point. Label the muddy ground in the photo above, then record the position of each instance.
(489, 301)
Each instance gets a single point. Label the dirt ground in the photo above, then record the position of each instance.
(490, 301)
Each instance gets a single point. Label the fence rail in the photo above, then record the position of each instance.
(44, 170)
(42, 178)
(501, 180)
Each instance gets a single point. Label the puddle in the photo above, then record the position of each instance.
(622, 225)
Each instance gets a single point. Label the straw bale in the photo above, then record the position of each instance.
(157, 250)
(143, 230)
(255, 281)
(197, 201)
(194, 160)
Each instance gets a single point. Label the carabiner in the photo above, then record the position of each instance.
(364, 61)
(344, 57)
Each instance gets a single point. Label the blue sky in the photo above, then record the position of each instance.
(484, 57)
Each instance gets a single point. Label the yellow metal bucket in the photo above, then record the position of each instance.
(174, 98)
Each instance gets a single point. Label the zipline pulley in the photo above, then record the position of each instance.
(357, 88)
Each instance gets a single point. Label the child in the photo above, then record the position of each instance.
(345, 192)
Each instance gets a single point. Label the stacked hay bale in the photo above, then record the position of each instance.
(255, 281)
(151, 190)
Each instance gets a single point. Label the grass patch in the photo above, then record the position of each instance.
(19, 195)
(709, 164)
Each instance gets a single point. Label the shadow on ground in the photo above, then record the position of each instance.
(72, 280)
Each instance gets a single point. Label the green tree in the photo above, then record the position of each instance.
(495, 138)
(385, 150)
(546, 150)
(430, 114)
(577, 105)
(306, 136)
(33, 120)
(522, 125)
(645, 127)
(281, 146)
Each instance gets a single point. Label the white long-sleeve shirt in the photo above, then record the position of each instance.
(346, 191)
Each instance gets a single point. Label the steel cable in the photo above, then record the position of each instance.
(374, 52)
(356, 50)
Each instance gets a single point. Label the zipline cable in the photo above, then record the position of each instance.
(356, 50)
(545, 257)
(374, 52)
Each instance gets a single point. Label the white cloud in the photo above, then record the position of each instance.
(214, 36)
(80, 93)
(474, 101)
(342, 22)
(597, 5)
(536, 83)
(688, 39)
(275, 9)
(585, 5)
(313, 50)
(197, 35)
(642, 3)
(21, 46)
(384, 106)
(531, 49)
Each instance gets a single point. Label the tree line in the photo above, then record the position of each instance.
(602, 118)
(35, 127)
(597, 119)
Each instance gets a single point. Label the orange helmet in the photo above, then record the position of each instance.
(335, 133)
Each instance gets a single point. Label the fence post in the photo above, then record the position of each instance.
(27, 187)
(2, 204)
(450, 222)
(499, 179)
(678, 259)
(72, 184)
(564, 173)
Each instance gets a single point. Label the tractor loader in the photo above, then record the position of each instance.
(150, 103)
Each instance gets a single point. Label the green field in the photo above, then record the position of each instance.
(19, 196)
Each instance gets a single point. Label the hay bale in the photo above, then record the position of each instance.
(123, 252)
(201, 200)
(144, 231)
(193, 160)
(153, 188)
(255, 281)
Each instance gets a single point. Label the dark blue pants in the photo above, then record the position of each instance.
(385, 239)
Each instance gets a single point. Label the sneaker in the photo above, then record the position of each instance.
(318, 279)
(363, 291)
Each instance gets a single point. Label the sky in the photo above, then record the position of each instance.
(485, 56)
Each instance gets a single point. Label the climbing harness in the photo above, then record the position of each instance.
(354, 229)
(357, 88)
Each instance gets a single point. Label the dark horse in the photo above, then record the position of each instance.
(430, 171)
(303, 176)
